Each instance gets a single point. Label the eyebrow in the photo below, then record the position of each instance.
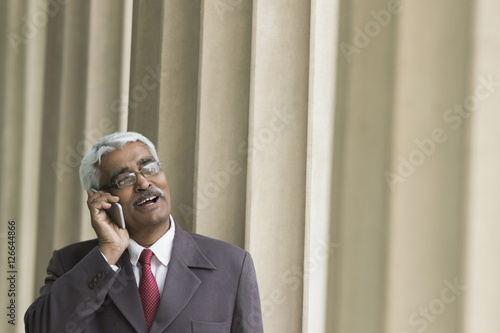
(139, 163)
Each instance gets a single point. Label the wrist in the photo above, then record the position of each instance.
(111, 254)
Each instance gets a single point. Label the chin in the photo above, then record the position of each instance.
(159, 219)
(141, 221)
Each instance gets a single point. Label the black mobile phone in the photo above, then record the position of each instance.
(115, 213)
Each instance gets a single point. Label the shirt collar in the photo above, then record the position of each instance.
(162, 248)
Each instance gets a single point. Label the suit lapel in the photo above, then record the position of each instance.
(181, 283)
(126, 297)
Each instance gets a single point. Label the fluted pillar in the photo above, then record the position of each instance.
(362, 136)
(318, 214)
(428, 180)
(179, 103)
(164, 92)
(482, 297)
(30, 179)
(108, 75)
(76, 109)
(145, 67)
(12, 103)
(71, 102)
(277, 144)
(222, 136)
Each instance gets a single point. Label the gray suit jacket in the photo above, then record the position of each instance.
(210, 287)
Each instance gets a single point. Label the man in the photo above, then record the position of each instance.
(151, 276)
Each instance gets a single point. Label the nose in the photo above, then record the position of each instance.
(142, 183)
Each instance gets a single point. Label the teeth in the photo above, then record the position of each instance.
(145, 200)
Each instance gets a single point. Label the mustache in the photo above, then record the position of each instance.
(149, 192)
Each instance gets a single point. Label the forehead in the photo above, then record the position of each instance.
(126, 157)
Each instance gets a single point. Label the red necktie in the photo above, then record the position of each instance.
(148, 289)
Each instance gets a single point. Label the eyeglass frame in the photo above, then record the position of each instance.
(115, 183)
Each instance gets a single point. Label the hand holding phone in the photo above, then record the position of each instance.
(115, 213)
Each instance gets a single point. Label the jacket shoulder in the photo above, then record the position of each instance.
(219, 252)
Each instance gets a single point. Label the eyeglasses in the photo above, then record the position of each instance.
(128, 179)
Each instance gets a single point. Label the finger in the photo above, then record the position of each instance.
(92, 196)
(107, 196)
(100, 204)
(101, 196)
(112, 198)
(99, 212)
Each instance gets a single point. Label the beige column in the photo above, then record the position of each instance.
(30, 179)
(72, 100)
(222, 137)
(482, 265)
(78, 108)
(147, 28)
(50, 122)
(362, 134)
(45, 135)
(277, 144)
(428, 180)
(12, 105)
(177, 125)
(107, 80)
(322, 71)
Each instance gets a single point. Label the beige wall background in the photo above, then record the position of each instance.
(352, 146)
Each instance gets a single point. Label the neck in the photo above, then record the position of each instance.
(146, 237)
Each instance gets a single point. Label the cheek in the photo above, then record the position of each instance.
(162, 184)
(125, 199)
(128, 211)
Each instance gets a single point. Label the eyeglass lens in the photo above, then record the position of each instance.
(148, 170)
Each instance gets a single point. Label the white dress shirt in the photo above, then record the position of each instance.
(162, 250)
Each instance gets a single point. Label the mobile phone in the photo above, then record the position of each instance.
(115, 213)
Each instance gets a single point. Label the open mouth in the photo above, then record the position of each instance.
(149, 201)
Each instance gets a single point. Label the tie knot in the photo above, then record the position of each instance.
(145, 258)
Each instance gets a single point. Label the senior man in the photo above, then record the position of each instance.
(151, 276)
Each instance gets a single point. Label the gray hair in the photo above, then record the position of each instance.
(89, 168)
